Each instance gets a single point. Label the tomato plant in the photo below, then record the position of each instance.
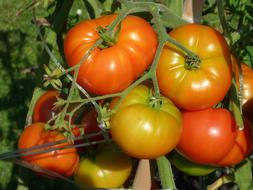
(112, 69)
(109, 169)
(44, 107)
(195, 83)
(63, 161)
(210, 136)
(188, 167)
(146, 128)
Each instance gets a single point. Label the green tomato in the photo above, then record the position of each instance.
(188, 167)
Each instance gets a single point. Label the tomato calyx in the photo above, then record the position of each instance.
(192, 63)
(155, 102)
(109, 39)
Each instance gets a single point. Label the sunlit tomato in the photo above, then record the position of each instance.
(62, 161)
(44, 107)
(114, 68)
(247, 87)
(243, 146)
(208, 135)
(109, 169)
(144, 127)
(188, 167)
(195, 84)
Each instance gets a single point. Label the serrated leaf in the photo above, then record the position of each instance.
(243, 175)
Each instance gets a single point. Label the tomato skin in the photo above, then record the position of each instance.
(247, 88)
(243, 146)
(62, 161)
(208, 135)
(117, 66)
(188, 167)
(44, 107)
(109, 169)
(142, 131)
(202, 87)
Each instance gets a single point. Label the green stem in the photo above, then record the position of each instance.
(223, 20)
(165, 172)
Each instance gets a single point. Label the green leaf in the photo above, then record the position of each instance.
(165, 172)
(176, 5)
(170, 19)
(243, 175)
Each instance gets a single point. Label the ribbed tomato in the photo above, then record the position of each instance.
(200, 83)
(111, 69)
(63, 161)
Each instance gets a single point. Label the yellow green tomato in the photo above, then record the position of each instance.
(108, 169)
(188, 167)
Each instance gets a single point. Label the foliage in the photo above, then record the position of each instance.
(22, 55)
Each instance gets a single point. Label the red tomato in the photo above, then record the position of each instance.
(114, 68)
(44, 107)
(195, 84)
(208, 135)
(90, 126)
(143, 130)
(243, 146)
(62, 161)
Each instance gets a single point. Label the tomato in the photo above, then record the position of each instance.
(90, 126)
(188, 167)
(62, 161)
(44, 107)
(242, 147)
(144, 130)
(109, 169)
(114, 68)
(195, 84)
(210, 136)
(247, 88)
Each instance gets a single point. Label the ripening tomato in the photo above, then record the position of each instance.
(62, 161)
(44, 107)
(210, 136)
(247, 87)
(195, 84)
(144, 127)
(109, 169)
(112, 69)
(188, 167)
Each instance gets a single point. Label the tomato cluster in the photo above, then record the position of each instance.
(181, 122)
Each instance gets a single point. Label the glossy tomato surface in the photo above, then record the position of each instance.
(195, 85)
(243, 146)
(143, 130)
(109, 169)
(188, 167)
(44, 107)
(62, 161)
(208, 135)
(114, 68)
